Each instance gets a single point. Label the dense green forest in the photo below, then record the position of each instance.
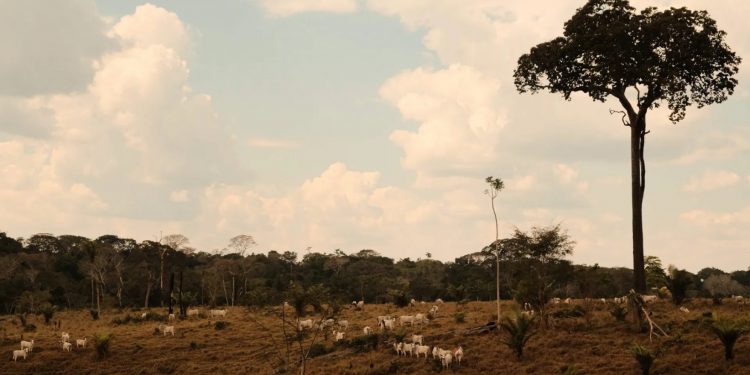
(70, 271)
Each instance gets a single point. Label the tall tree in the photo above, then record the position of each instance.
(496, 186)
(676, 57)
(241, 243)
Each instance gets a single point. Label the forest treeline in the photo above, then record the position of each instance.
(71, 271)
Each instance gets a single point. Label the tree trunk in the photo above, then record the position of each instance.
(183, 309)
(171, 290)
(93, 297)
(233, 290)
(161, 278)
(148, 293)
(638, 184)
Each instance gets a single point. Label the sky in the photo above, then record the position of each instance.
(316, 125)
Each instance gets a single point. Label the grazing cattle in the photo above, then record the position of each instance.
(81, 343)
(343, 324)
(338, 336)
(193, 312)
(555, 301)
(168, 329)
(65, 336)
(67, 346)
(399, 347)
(171, 317)
(438, 300)
(382, 318)
(305, 324)
(403, 319)
(568, 301)
(649, 298)
(27, 345)
(417, 339)
(360, 305)
(737, 299)
(459, 354)
(422, 349)
(420, 319)
(217, 313)
(20, 353)
(388, 324)
(408, 347)
(684, 309)
(447, 359)
(367, 330)
(433, 310)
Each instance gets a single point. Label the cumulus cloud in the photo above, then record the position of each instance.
(709, 218)
(49, 46)
(711, 180)
(459, 123)
(136, 133)
(285, 8)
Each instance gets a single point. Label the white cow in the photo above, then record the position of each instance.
(20, 353)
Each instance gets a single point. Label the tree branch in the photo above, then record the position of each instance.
(624, 116)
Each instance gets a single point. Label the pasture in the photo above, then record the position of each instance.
(251, 343)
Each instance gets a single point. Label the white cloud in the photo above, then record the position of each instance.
(708, 218)
(49, 47)
(259, 142)
(565, 174)
(711, 180)
(152, 26)
(459, 124)
(285, 8)
(522, 183)
(179, 196)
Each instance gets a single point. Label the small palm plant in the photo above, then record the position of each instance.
(101, 343)
(520, 328)
(644, 356)
(728, 331)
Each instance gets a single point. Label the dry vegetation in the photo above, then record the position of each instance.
(593, 344)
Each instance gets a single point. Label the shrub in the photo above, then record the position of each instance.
(459, 316)
(101, 343)
(364, 343)
(520, 329)
(728, 332)
(576, 312)
(619, 312)
(317, 349)
(94, 314)
(399, 335)
(48, 311)
(219, 325)
(644, 356)
(678, 283)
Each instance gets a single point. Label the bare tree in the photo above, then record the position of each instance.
(496, 186)
(241, 243)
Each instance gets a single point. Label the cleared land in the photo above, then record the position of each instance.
(594, 344)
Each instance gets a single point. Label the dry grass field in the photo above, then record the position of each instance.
(595, 344)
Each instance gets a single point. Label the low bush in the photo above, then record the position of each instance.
(364, 343)
(101, 344)
(644, 356)
(48, 311)
(317, 349)
(519, 327)
(94, 314)
(619, 312)
(219, 325)
(728, 332)
(460, 317)
(576, 311)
